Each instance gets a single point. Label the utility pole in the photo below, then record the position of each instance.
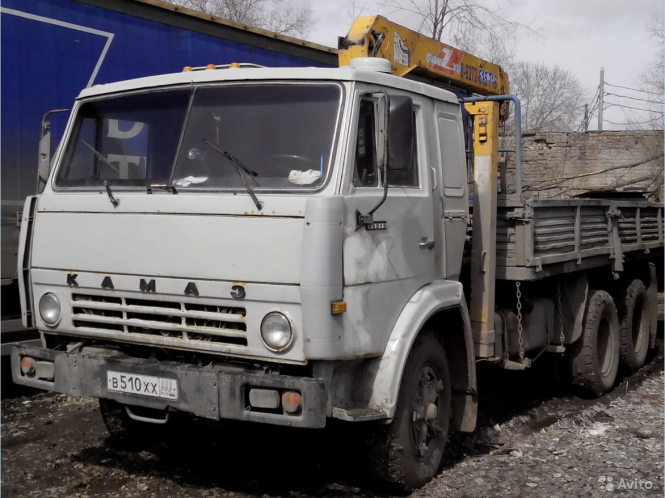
(586, 117)
(601, 94)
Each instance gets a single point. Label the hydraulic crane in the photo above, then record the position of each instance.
(411, 53)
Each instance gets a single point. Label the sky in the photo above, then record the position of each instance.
(580, 36)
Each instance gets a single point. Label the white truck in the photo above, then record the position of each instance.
(287, 246)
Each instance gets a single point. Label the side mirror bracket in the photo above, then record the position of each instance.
(365, 220)
(44, 162)
(398, 131)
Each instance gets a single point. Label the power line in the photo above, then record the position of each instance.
(633, 89)
(631, 123)
(601, 99)
(612, 104)
(595, 95)
(595, 101)
(634, 98)
(592, 107)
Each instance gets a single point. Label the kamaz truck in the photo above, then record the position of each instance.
(288, 246)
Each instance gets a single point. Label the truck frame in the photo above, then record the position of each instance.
(291, 245)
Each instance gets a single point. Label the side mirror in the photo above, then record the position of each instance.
(44, 162)
(400, 133)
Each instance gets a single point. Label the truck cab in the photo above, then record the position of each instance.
(249, 243)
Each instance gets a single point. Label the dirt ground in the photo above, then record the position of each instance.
(530, 441)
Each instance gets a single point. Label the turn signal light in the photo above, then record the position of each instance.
(338, 307)
(291, 402)
(27, 365)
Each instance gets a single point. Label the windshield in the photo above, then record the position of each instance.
(265, 136)
(283, 133)
(128, 141)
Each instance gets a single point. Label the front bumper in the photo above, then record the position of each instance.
(211, 392)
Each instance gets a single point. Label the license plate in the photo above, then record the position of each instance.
(144, 385)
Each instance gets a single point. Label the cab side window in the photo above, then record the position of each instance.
(407, 177)
(365, 172)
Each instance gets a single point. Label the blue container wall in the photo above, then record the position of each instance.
(52, 49)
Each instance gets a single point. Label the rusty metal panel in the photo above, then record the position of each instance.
(649, 225)
(554, 231)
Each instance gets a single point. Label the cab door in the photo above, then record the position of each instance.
(387, 262)
(454, 187)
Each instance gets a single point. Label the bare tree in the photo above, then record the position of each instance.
(357, 9)
(467, 24)
(495, 47)
(644, 173)
(653, 78)
(551, 97)
(281, 16)
(653, 90)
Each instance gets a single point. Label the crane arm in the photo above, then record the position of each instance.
(410, 52)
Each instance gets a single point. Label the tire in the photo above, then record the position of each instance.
(652, 292)
(594, 358)
(397, 458)
(635, 317)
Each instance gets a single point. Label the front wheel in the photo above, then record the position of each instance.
(408, 452)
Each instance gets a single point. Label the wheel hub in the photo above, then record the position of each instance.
(424, 424)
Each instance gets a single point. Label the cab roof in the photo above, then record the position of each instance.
(341, 74)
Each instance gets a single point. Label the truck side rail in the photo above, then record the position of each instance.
(542, 237)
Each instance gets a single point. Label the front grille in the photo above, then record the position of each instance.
(149, 317)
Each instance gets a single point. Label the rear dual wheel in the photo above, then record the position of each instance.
(635, 319)
(594, 358)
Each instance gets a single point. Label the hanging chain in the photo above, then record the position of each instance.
(562, 336)
(520, 339)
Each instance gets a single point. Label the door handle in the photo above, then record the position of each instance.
(426, 244)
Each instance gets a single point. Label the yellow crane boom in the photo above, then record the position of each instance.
(410, 52)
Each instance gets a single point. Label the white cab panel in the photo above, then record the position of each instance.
(235, 248)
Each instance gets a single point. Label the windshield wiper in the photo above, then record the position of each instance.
(107, 185)
(239, 166)
(232, 158)
(100, 156)
(113, 200)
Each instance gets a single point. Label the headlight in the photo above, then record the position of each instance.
(49, 308)
(276, 331)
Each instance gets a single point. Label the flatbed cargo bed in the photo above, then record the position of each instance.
(537, 238)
